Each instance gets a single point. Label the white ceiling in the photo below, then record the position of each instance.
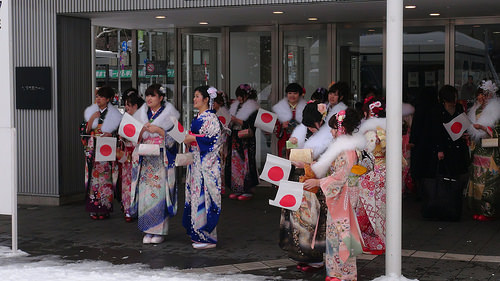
(344, 11)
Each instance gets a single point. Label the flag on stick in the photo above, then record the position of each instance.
(266, 120)
(177, 132)
(130, 128)
(105, 149)
(289, 195)
(276, 169)
(457, 126)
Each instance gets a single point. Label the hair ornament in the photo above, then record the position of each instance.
(489, 87)
(163, 90)
(212, 93)
(246, 88)
(340, 120)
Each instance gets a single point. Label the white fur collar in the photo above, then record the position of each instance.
(319, 141)
(282, 108)
(371, 125)
(489, 116)
(247, 108)
(334, 110)
(300, 133)
(407, 109)
(341, 144)
(163, 120)
(111, 121)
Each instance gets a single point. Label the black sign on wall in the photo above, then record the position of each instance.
(33, 88)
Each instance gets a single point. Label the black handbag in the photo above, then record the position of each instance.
(442, 197)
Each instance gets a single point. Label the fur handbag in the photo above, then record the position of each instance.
(149, 149)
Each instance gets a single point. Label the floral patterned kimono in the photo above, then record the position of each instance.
(287, 114)
(100, 177)
(203, 180)
(483, 192)
(343, 238)
(126, 174)
(372, 193)
(224, 149)
(153, 177)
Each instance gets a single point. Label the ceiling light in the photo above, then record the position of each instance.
(434, 14)
(476, 26)
(496, 32)
(371, 30)
(277, 12)
(160, 17)
(410, 7)
(310, 37)
(312, 19)
(203, 22)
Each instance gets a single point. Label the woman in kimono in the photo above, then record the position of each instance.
(243, 146)
(289, 112)
(124, 154)
(334, 178)
(372, 192)
(203, 181)
(298, 228)
(101, 119)
(337, 93)
(153, 175)
(222, 111)
(484, 185)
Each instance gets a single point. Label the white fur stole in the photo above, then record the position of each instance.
(300, 133)
(335, 109)
(320, 141)
(247, 108)
(371, 125)
(163, 120)
(342, 143)
(407, 109)
(489, 116)
(282, 108)
(111, 120)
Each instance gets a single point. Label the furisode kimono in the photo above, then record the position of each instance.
(483, 192)
(203, 180)
(153, 176)
(100, 177)
(126, 173)
(343, 238)
(370, 209)
(292, 115)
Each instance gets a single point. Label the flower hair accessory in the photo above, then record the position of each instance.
(322, 109)
(212, 93)
(163, 90)
(375, 108)
(340, 120)
(246, 87)
(489, 87)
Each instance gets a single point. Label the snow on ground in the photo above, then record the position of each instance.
(21, 266)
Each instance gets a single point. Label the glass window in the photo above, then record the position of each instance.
(305, 58)
(360, 59)
(423, 61)
(477, 57)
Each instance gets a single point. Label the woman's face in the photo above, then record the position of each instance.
(333, 98)
(293, 97)
(154, 101)
(198, 101)
(130, 108)
(241, 99)
(334, 132)
(482, 98)
(102, 102)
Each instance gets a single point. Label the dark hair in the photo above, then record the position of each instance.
(447, 93)
(294, 87)
(380, 111)
(245, 91)
(342, 88)
(368, 91)
(320, 95)
(154, 90)
(310, 115)
(106, 92)
(203, 91)
(350, 123)
(221, 98)
(131, 96)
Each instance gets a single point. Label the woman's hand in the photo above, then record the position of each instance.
(293, 140)
(189, 139)
(440, 155)
(311, 185)
(285, 124)
(236, 120)
(298, 164)
(106, 135)
(96, 114)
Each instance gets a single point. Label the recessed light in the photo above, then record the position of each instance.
(434, 14)
(371, 30)
(476, 26)
(312, 19)
(349, 43)
(277, 12)
(310, 37)
(410, 7)
(496, 32)
(430, 40)
(160, 17)
(203, 22)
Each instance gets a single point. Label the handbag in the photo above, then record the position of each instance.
(442, 197)
(245, 134)
(490, 142)
(184, 159)
(304, 155)
(146, 149)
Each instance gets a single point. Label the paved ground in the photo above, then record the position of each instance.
(248, 235)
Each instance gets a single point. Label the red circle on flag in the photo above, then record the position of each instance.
(266, 118)
(288, 201)
(456, 127)
(275, 173)
(106, 150)
(129, 130)
(222, 119)
(179, 126)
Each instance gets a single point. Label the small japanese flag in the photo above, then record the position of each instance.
(457, 126)
(289, 195)
(105, 149)
(130, 128)
(276, 169)
(177, 132)
(224, 117)
(265, 120)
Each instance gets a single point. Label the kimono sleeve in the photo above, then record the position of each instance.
(210, 131)
(332, 185)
